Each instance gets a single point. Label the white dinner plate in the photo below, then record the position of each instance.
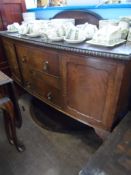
(106, 45)
(33, 35)
(55, 38)
(12, 31)
(74, 41)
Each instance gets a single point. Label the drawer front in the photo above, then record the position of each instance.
(44, 88)
(47, 62)
(43, 61)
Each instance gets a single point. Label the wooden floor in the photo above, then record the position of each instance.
(47, 152)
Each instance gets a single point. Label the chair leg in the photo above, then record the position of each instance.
(18, 118)
(10, 125)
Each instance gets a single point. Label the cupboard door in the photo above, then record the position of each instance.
(23, 58)
(90, 89)
(12, 59)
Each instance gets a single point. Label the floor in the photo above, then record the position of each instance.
(47, 152)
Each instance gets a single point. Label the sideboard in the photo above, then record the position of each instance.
(90, 84)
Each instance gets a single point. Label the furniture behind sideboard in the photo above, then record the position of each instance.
(10, 11)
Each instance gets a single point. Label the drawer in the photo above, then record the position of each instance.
(45, 88)
(45, 61)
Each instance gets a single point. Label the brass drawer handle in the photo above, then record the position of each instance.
(46, 66)
(49, 96)
(28, 84)
(24, 59)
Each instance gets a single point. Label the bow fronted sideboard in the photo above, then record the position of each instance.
(88, 83)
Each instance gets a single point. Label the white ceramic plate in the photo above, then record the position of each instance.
(12, 31)
(106, 45)
(33, 35)
(55, 38)
(74, 41)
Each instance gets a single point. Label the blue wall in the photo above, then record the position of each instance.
(112, 11)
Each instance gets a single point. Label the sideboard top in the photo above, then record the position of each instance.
(121, 52)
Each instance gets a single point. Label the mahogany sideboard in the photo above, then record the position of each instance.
(90, 84)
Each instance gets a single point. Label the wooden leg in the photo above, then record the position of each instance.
(10, 125)
(11, 89)
(7, 127)
(103, 134)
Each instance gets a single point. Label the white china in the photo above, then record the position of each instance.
(106, 44)
(23, 29)
(103, 23)
(124, 26)
(129, 35)
(107, 35)
(28, 16)
(52, 38)
(74, 34)
(75, 41)
(13, 27)
(88, 29)
(33, 35)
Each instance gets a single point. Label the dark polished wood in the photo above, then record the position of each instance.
(9, 120)
(9, 105)
(91, 90)
(43, 69)
(114, 156)
(88, 88)
(10, 12)
(1, 23)
(90, 84)
(3, 61)
(80, 16)
(45, 62)
(10, 53)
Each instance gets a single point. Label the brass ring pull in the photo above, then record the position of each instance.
(24, 59)
(49, 96)
(46, 66)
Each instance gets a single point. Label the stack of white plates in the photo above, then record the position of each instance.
(28, 16)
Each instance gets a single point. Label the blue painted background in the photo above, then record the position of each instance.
(112, 11)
